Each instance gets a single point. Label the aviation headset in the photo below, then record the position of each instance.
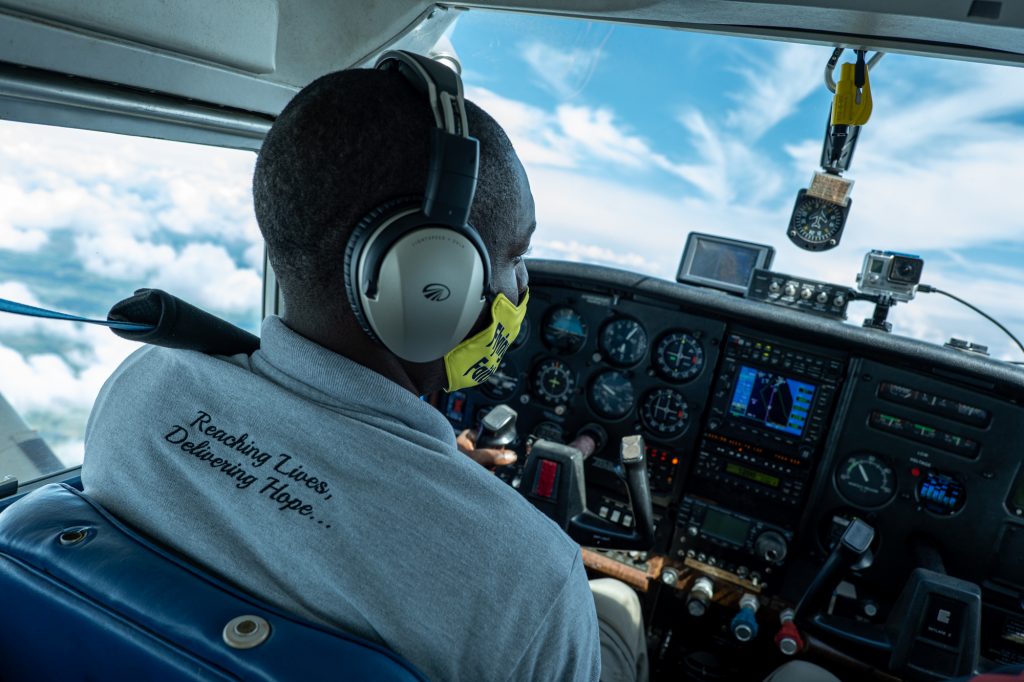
(416, 273)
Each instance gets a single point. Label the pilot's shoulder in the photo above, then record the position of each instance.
(521, 530)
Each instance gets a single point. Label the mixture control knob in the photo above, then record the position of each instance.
(700, 596)
(771, 546)
(806, 293)
(744, 623)
(790, 290)
(788, 637)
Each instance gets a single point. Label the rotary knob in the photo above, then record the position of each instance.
(700, 596)
(771, 547)
(823, 297)
(790, 290)
(806, 293)
(839, 300)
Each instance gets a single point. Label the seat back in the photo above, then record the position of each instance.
(86, 598)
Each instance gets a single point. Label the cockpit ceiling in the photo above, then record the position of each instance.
(254, 55)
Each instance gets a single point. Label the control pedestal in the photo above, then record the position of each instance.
(553, 481)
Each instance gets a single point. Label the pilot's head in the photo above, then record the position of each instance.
(346, 144)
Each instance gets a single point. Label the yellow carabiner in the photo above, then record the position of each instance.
(851, 105)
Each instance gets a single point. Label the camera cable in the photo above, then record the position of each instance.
(928, 289)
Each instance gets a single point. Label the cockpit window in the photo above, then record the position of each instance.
(633, 137)
(85, 219)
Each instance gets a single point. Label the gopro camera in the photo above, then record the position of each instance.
(890, 273)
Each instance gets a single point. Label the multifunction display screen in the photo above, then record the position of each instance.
(773, 400)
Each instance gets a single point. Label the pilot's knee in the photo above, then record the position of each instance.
(801, 671)
(616, 603)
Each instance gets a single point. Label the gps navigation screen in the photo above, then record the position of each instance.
(773, 400)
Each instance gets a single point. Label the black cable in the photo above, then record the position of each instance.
(927, 289)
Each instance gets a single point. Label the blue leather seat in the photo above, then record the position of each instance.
(82, 597)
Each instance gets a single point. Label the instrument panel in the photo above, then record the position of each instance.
(767, 432)
(586, 360)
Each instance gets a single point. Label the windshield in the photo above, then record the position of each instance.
(633, 137)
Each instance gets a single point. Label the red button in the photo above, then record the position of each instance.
(546, 478)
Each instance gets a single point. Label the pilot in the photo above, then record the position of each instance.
(311, 473)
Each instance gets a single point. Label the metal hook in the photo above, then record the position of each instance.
(830, 66)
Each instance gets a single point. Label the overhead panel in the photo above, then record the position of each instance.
(237, 33)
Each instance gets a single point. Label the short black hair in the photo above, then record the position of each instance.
(346, 144)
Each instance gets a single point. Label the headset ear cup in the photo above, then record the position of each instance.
(354, 249)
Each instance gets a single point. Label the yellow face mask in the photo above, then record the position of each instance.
(476, 358)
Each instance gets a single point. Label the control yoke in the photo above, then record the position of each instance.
(553, 480)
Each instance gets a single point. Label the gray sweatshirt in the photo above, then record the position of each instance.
(332, 492)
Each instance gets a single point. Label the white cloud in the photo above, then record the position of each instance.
(48, 382)
(533, 131)
(775, 89)
(590, 253)
(579, 137)
(121, 256)
(205, 275)
(202, 273)
(565, 72)
(595, 131)
(96, 183)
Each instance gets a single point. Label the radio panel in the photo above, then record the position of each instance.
(721, 537)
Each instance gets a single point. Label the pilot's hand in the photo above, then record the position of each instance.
(488, 457)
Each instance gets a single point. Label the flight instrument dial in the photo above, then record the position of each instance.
(665, 412)
(554, 382)
(866, 481)
(564, 330)
(612, 395)
(624, 341)
(503, 382)
(817, 224)
(679, 357)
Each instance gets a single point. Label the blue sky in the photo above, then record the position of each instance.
(632, 137)
(635, 136)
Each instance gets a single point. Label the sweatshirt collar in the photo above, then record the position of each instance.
(344, 382)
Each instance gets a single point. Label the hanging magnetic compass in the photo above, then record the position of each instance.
(817, 224)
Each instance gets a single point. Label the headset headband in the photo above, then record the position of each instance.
(454, 155)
